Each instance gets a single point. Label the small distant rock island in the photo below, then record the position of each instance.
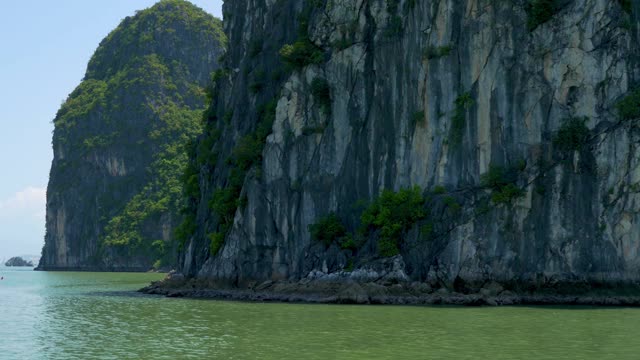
(18, 262)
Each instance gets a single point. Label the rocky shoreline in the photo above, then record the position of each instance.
(371, 293)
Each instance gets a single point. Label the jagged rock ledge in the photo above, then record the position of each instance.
(374, 294)
(322, 291)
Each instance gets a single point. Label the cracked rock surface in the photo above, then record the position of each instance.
(389, 126)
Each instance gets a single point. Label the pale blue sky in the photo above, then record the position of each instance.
(44, 50)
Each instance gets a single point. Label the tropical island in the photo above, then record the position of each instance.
(382, 153)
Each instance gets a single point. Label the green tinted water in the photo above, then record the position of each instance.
(91, 316)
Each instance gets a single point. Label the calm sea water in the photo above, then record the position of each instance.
(96, 316)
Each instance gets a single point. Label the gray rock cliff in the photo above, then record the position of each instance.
(444, 95)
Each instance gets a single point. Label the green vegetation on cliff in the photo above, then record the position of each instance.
(387, 218)
(391, 214)
(572, 135)
(160, 197)
(629, 107)
(626, 5)
(301, 53)
(541, 11)
(328, 229)
(503, 183)
(160, 29)
(247, 153)
(121, 138)
(462, 104)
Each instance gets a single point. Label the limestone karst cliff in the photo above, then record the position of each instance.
(119, 142)
(516, 121)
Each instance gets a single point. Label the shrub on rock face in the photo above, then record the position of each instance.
(436, 52)
(626, 5)
(301, 53)
(541, 11)
(321, 92)
(629, 107)
(328, 229)
(216, 240)
(573, 135)
(507, 194)
(463, 103)
(392, 213)
(502, 183)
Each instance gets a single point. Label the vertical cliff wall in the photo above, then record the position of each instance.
(517, 120)
(119, 142)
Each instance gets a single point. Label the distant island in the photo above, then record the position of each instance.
(18, 262)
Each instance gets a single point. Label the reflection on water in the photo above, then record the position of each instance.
(93, 316)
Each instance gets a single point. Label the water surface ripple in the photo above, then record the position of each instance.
(95, 316)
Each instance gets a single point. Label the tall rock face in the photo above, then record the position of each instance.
(516, 120)
(119, 142)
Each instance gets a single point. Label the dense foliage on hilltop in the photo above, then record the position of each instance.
(159, 30)
(121, 137)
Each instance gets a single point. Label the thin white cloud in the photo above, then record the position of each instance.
(28, 202)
